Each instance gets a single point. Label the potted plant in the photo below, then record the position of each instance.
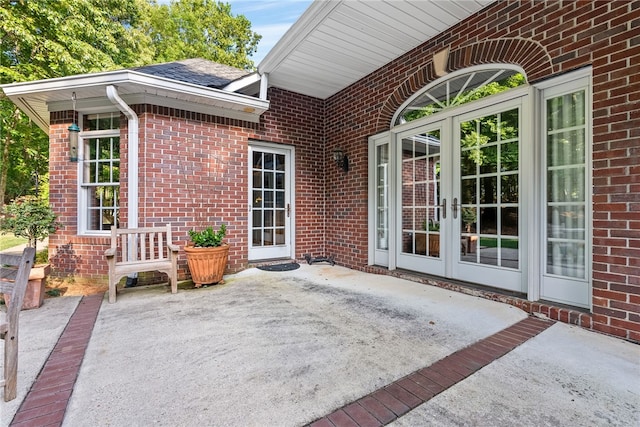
(33, 219)
(207, 255)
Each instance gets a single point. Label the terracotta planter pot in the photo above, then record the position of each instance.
(34, 295)
(207, 265)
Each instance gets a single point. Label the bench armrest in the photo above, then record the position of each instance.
(111, 252)
(172, 247)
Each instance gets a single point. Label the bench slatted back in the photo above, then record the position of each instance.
(141, 244)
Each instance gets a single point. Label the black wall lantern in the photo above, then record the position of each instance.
(341, 160)
(74, 130)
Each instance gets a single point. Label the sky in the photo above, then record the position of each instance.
(270, 19)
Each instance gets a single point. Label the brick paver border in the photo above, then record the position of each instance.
(46, 402)
(396, 399)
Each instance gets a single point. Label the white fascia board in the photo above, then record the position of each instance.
(127, 76)
(310, 19)
(32, 96)
(242, 82)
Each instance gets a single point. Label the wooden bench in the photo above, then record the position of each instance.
(134, 250)
(14, 275)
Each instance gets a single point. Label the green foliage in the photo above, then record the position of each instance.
(200, 29)
(42, 257)
(28, 217)
(54, 292)
(467, 96)
(43, 39)
(46, 38)
(208, 238)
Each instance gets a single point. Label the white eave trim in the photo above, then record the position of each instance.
(27, 95)
(242, 82)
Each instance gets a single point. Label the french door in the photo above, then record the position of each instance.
(270, 202)
(460, 212)
(496, 191)
(487, 214)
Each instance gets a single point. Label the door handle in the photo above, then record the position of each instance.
(288, 210)
(444, 208)
(454, 207)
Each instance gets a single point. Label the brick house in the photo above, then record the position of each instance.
(508, 132)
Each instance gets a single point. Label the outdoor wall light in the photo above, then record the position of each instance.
(341, 160)
(74, 130)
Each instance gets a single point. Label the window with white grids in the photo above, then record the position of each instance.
(100, 176)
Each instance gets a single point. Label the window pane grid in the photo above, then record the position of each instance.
(269, 207)
(566, 185)
(101, 175)
(421, 194)
(489, 183)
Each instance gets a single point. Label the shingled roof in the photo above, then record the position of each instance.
(196, 71)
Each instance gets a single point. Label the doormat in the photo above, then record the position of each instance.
(280, 267)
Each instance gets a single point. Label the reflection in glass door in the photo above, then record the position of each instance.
(270, 203)
(486, 208)
(421, 212)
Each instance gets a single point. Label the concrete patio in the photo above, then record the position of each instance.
(288, 348)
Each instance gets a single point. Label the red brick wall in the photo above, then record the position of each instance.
(545, 38)
(68, 252)
(193, 173)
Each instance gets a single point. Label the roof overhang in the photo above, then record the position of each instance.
(338, 42)
(38, 98)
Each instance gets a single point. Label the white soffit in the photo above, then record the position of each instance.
(337, 42)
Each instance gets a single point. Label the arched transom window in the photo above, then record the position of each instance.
(457, 90)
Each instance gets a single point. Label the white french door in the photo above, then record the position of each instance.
(459, 206)
(422, 191)
(495, 191)
(487, 214)
(270, 202)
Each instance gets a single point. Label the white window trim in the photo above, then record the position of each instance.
(558, 86)
(83, 199)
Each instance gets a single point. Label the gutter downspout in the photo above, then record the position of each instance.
(132, 174)
(132, 163)
(264, 85)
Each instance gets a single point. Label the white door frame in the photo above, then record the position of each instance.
(288, 249)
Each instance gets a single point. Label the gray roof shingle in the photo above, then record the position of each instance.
(196, 71)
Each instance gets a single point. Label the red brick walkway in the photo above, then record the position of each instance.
(396, 399)
(47, 400)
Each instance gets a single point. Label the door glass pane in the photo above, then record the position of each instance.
(489, 183)
(421, 194)
(382, 197)
(268, 161)
(268, 180)
(268, 199)
(280, 236)
(566, 185)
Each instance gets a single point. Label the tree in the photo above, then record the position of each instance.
(41, 39)
(200, 29)
(29, 217)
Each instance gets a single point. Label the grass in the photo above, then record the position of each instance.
(9, 241)
(492, 243)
